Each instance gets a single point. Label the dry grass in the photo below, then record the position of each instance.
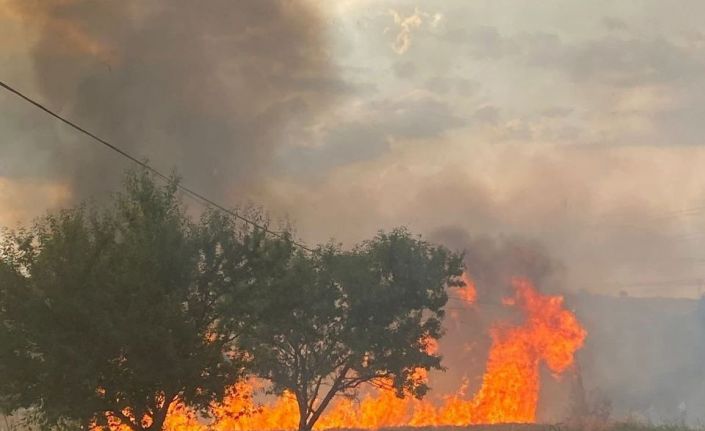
(581, 426)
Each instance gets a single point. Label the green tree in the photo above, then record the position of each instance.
(336, 320)
(116, 313)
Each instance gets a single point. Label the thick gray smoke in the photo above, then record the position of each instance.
(208, 88)
(492, 261)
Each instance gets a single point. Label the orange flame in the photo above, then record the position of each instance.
(509, 391)
(468, 293)
(510, 386)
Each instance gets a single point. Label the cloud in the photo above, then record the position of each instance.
(483, 42)
(347, 143)
(487, 114)
(449, 85)
(615, 58)
(615, 61)
(417, 116)
(614, 24)
(404, 69)
(622, 87)
(367, 133)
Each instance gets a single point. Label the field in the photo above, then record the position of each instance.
(613, 426)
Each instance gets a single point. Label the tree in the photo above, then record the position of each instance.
(337, 320)
(116, 314)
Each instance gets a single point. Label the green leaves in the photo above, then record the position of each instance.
(120, 312)
(114, 309)
(337, 319)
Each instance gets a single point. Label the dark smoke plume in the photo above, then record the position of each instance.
(492, 261)
(209, 88)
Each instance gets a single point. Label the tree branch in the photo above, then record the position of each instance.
(335, 387)
(124, 419)
(314, 394)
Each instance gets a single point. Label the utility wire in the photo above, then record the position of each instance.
(203, 199)
(189, 191)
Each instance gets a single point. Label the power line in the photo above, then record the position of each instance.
(657, 284)
(194, 194)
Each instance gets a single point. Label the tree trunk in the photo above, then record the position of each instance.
(158, 420)
(304, 425)
(303, 414)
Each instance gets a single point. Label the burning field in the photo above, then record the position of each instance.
(264, 336)
(549, 335)
(279, 215)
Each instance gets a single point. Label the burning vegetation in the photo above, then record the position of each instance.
(509, 392)
(182, 326)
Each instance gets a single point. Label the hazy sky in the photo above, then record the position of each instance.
(570, 124)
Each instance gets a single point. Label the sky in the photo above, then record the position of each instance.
(566, 132)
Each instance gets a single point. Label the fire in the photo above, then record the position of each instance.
(510, 385)
(468, 293)
(509, 391)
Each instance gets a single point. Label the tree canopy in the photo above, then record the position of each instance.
(114, 314)
(117, 314)
(335, 320)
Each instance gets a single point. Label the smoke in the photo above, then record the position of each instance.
(210, 89)
(577, 179)
(492, 261)
(644, 355)
(640, 355)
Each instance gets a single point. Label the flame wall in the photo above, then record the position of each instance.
(509, 391)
